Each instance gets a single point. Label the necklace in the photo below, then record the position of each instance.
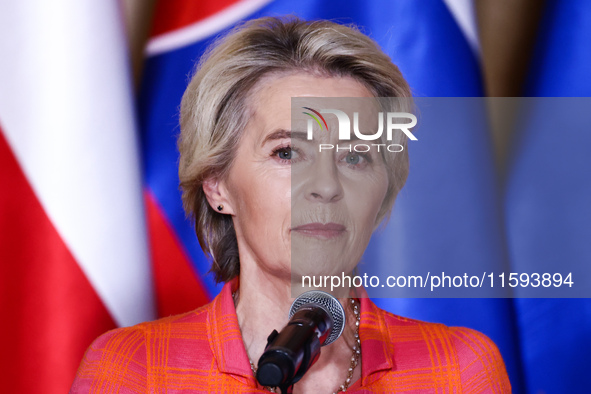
(354, 357)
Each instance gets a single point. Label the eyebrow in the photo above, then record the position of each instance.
(300, 135)
(354, 137)
(281, 133)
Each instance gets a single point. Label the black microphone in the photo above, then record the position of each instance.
(316, 319)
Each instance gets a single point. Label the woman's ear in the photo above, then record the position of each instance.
(217, 195)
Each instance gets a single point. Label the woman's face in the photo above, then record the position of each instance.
(297, 210)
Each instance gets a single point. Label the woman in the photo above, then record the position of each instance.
(269, 207)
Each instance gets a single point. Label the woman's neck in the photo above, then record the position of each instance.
(262, 304)
(260, 308)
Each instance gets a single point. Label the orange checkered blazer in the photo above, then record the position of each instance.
(202, 352)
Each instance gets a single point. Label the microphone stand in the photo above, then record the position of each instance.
(290, 353)
(311, 350)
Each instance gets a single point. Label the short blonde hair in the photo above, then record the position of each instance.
(215, 111)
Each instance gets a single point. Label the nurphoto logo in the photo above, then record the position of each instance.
(393, 122)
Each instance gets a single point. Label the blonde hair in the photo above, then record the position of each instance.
(215, 111)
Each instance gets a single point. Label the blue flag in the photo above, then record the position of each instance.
(548, 210)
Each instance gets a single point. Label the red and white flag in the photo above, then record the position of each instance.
(73, 253)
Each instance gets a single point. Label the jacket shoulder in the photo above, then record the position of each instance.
(121, 359)
(480, 361)
(464, 352)
(116, 359)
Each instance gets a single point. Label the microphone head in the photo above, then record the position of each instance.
(329, 304)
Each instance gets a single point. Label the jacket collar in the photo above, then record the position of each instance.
(225, 337)
(228, 348)
(376, 347)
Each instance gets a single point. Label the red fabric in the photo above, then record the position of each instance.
(171, 15)
(178, 289)
(50, 312)
(203, 352)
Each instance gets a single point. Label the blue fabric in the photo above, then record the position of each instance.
(165, 79)
(561, 61)
(548, 213)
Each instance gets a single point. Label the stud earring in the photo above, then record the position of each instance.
(220, 207)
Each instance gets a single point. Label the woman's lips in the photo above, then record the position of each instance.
(320, 230)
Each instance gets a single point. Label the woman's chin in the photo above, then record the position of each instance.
(319, 264)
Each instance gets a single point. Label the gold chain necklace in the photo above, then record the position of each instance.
(354, 357)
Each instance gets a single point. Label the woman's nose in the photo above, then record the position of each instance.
(323, 183)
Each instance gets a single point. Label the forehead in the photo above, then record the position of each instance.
(271, 99)
(309, 85)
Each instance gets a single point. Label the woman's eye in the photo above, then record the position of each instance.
(353, 159)
(284, 153)
(357, 160)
